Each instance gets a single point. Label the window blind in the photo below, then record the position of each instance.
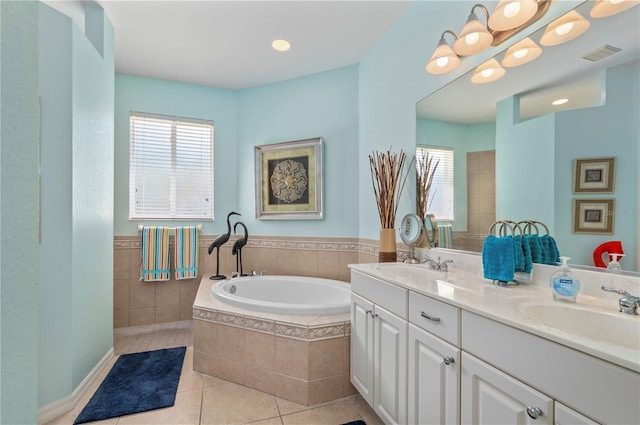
(170, 167)
(441, 196)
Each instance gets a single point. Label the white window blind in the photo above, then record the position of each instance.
(170, 167)
(441, 196)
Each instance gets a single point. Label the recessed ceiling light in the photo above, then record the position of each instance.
(559, 102)
(281, 45)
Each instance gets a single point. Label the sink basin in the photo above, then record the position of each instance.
(421, 275)
(598, 325)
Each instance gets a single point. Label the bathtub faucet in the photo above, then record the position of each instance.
(255, 273)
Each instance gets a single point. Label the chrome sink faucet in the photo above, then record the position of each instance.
(629, 304)
(437, 265)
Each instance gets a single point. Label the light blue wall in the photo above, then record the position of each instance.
(320, 105)
(55, 292)
(462, 138)
(606, 131)
(323, 104)
(92, 194)
(76, 250)
(18, 212)
(392, 79)
(185, 100)
(524, 165)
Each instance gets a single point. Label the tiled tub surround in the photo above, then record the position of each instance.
(137, 303)
(304, 359)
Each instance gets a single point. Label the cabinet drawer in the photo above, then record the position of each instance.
(387, 295)
(441, 319)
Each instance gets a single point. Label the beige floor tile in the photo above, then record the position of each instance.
(272, 421)
(332, 414)
(229, 403)
(287, 407)
(186, 411)
(365, 411)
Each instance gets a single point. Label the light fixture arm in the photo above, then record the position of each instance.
(455, 37)
(484, 9)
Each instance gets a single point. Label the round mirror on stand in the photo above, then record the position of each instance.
(431, 229)
(412, 233)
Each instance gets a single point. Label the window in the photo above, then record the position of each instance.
(170, 167)
(441, 202)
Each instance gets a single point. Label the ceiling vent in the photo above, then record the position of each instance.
(601, 53)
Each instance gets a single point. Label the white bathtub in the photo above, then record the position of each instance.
(285, 294)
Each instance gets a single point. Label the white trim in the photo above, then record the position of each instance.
(66, 404)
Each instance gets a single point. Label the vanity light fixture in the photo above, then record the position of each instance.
(522, 52)
(443, 59)
(558, 102)
(604, 8)
(510, 14)
(474, 37)
(565, 28)
(487, 72)
(280, 45)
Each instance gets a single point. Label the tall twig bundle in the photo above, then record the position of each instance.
(386, 173)
(425, 169)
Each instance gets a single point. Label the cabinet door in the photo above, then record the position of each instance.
(390, 366)
(492, 397)
(433, 395)
(362, 346)
(567, 416)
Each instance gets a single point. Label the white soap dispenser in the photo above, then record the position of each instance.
(565, 285)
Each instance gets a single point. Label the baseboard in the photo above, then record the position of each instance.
(60, 407)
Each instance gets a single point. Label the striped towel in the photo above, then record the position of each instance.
(445, 235)
(186, 252)
(154, 264)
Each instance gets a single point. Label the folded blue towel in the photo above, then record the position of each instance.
(526, 252)
(518, 253)
(498, 258)
(536, 248)
(553, 256)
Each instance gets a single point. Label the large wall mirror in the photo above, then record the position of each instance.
(514, 152)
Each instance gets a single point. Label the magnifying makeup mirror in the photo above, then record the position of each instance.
(412, 233)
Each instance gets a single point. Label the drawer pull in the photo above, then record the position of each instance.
(374, 315)
(449, 360)
(367, 312)
(426, 316)
(534, 412)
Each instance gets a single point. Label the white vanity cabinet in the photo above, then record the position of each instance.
(491, 397)
(379, 346)
(566, 416)
(433, 378)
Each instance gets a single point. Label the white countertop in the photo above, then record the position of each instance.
(593, 325)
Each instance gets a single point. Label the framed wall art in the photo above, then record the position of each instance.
(593, 216)
(289, 180)
(594, 175)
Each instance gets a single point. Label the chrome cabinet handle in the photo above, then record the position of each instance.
(426, 316)
(449, 360)
(534, 412)
(374, 315)
(367, 312)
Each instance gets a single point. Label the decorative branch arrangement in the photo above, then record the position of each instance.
(425, 169)
(386, 175)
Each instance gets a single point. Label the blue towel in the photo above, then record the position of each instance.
(536, 248)
(526, 252)
(518, 253)
(498, 258)
(552, 249)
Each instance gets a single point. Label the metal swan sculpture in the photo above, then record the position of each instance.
(238, 245)
(217, 243)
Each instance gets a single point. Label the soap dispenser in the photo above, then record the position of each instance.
(564, 283)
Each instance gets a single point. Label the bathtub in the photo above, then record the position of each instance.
(284, 294)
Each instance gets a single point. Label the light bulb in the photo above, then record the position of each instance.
(472, 38)
(487, 73)
(442, 62)
(564, 28)
(512, 9)
(521, 53)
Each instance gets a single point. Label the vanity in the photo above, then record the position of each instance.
(430, 347)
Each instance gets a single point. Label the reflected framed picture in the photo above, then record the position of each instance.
(593, 216)
(594, 175)
(289, 180)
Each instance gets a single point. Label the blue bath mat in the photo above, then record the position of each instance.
(137, 382)
(355, 423)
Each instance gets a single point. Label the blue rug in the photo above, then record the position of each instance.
(137, 382)
(355, 423)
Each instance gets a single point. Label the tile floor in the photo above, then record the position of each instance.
(203, 399)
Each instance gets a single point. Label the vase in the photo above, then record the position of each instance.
(387, 246)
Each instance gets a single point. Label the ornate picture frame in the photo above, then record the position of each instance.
(593, 216)
(594, 175)
(288, 180)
